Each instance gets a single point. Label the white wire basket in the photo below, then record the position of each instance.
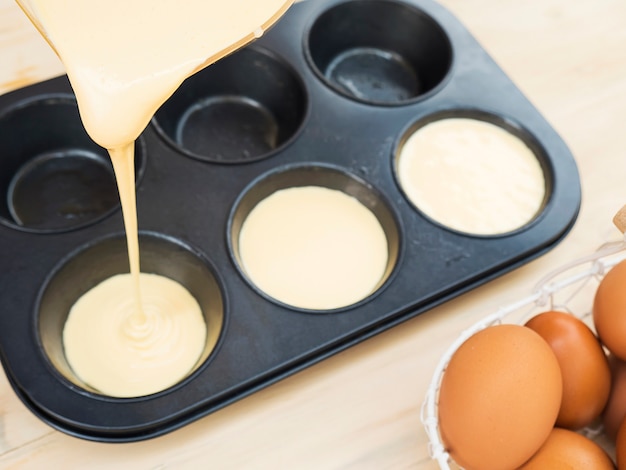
(569, 288)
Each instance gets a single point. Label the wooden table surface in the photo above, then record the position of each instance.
(361, 408)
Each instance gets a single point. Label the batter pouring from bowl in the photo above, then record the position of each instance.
(124, 58)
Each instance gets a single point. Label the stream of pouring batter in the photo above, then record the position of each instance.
(123, 161)
(124, 58)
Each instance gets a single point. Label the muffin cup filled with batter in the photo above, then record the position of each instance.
(378, 51)
(103, 261)
(472, 173)
(240, 109)
(314, 237)
(54, 177)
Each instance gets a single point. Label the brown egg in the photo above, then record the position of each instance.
(567, 450)
(615, 410)
(499, 398)
(584, 367)
(608, 310)
(620, 446)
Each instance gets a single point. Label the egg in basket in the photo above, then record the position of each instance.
(540, 383)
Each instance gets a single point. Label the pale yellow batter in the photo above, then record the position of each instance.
(124, 58)
(122, 353)
(471, 176)
(314, 248)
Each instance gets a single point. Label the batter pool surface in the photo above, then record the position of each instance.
(120, 353)
(471, 176)
(313, 247)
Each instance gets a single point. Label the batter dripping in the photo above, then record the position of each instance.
(124, 59)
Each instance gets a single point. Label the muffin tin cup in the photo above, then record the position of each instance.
(511, 127)
(105, 258)
(53, 176)
(325, 176)
(378, 51)
(240, 109)
(188, 198)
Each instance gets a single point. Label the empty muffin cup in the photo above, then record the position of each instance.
(53, 176)
(99, 261)
(378, 51)
(472, 172)
(239, 109)
(314, 237)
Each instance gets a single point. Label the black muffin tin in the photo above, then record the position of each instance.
(325, 97)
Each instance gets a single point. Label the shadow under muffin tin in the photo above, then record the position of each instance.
(325, 98)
